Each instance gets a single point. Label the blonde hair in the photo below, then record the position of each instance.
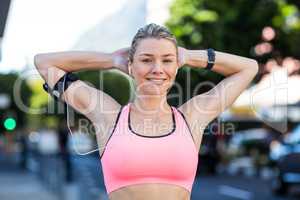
(150, 31)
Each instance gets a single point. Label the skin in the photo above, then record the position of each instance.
(150, 102)
(154, 58)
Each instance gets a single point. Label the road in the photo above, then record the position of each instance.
(16, 184)
(234, 187)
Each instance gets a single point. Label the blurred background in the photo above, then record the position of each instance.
(251, 151)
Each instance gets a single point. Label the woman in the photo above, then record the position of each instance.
(151, 148)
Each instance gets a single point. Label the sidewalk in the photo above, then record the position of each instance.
(16, 184)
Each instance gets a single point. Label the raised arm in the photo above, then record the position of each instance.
(93, 103)
(239, 72)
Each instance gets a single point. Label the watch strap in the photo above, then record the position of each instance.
(211, 58)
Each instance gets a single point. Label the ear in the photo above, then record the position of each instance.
(129, 68)
(177, 69)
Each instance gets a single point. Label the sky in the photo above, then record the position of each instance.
(60, 25)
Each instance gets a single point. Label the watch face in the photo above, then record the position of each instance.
(211, 55)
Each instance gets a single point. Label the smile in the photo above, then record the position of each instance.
(157, 81)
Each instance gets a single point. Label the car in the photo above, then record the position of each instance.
(285, 155)
(248, 150)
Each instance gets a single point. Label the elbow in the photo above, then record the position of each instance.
(39, 60)
(42, 64)
(254, 66)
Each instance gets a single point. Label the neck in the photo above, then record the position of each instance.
(151, 104)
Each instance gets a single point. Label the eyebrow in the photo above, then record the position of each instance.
(148, 54)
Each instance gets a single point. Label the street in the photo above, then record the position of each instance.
(229, 187)
(16, 184)
(88, 184)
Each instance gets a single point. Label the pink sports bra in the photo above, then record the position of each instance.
(131, 158)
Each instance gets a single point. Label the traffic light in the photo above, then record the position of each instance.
(10, 123)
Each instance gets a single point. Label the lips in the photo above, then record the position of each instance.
(156, 80)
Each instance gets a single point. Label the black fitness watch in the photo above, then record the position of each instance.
(211, 58)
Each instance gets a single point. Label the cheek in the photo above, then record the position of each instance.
(139, 72)
(172, 71)
(140, 68)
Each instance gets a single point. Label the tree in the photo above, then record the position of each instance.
(234, 26)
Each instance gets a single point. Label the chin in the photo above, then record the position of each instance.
(151, 91)
(149, 88)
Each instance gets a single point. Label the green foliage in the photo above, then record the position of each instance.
(39, 97)
(233, 26)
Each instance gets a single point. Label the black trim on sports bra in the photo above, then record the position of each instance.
(186, 123)
(147, 136)
(113, 130)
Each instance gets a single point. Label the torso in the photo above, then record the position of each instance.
(150, 191)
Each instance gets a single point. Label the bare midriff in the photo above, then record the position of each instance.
(150, 191)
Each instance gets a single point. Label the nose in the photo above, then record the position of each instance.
(157, 68)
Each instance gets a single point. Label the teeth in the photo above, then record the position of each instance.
(156, 80)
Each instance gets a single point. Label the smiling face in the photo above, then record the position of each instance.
(154, 66)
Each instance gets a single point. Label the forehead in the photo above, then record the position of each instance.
(155, 46)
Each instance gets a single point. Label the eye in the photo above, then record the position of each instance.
(146, 60)
(168, 61)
